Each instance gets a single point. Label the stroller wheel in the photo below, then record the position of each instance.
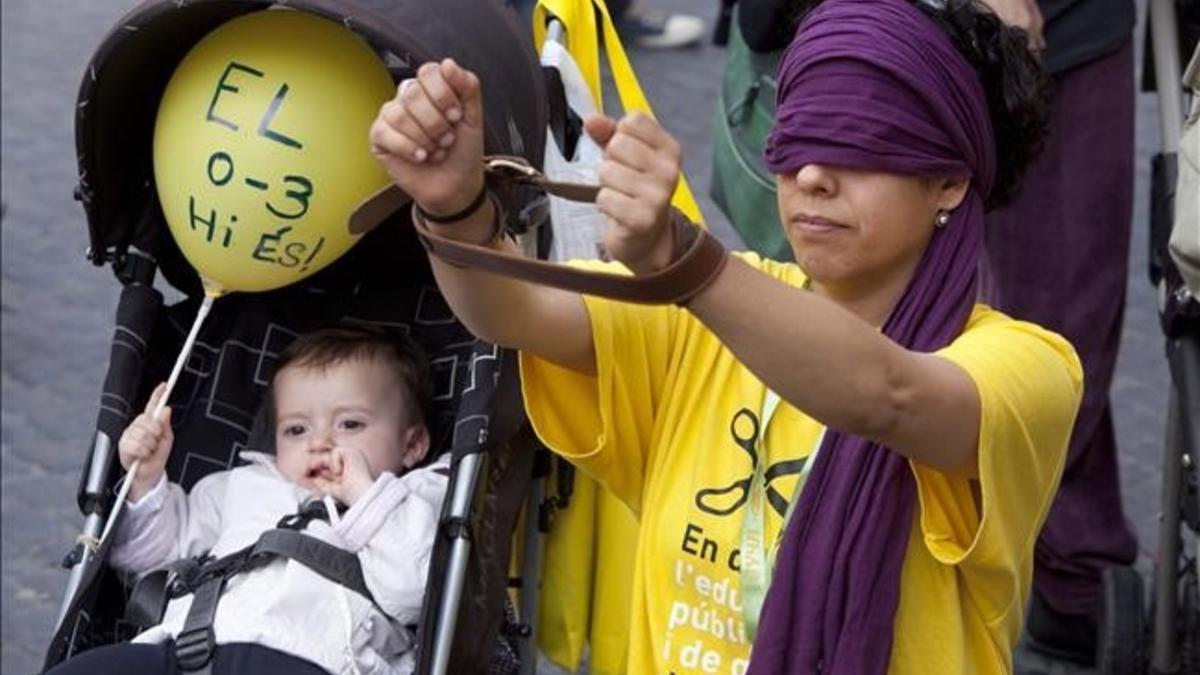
(1120, 644)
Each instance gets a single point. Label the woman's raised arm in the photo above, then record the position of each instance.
(429, 138)
(838, 368)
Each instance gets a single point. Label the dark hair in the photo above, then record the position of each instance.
(332, 346)
(1014, 80)
(1016, 84)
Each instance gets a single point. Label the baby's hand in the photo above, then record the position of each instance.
(347, 478)
(149, 440)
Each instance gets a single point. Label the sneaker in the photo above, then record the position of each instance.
(1062, 636)
(654, 29)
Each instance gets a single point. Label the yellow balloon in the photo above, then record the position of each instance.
(261, 150)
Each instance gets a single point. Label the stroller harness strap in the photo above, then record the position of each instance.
(697, 260)
(335, 564)
(196, 643)
(205, 579)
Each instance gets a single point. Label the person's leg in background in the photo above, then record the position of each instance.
(1059, 257)
(650, 28)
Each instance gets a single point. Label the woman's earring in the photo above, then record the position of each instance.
(943, 217)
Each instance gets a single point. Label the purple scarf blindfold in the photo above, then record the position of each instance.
(875, 85)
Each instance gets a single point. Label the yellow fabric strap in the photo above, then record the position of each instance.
(578, 18)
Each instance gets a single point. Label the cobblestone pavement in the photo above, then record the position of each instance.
(57, 309)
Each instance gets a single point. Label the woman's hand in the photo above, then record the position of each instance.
(429, 138)
(347, 477)
(148, 440)
(638, 175)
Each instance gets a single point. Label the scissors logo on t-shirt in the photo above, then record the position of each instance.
(744, 428)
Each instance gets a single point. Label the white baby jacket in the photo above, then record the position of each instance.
(285, 605)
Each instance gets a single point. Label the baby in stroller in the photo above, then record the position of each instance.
(384, 280)
(346, 417)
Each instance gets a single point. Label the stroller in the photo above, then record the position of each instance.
(1166, 639)
(385, 281)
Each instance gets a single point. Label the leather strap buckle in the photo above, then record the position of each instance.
(507, 169)
(510, 167)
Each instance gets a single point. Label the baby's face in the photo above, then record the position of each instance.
(357, 404)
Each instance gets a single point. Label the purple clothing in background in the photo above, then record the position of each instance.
(1059, 257)
(871, 84)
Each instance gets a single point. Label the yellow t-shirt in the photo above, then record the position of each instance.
(659, 426)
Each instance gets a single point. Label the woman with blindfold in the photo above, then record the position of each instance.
(839, 464)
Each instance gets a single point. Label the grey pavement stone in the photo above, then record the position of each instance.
(56, 309)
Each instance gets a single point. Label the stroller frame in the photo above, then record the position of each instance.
(1174, 573)
(1125, 628)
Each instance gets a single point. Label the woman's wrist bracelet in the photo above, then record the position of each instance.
(421, 220)
(462, 214)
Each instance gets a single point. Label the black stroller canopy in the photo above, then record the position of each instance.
(119, 95)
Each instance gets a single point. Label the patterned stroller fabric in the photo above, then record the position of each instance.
(384, 280)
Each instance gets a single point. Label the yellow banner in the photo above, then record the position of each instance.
(582, 37)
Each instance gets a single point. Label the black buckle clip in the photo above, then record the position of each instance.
(194, 648)
(187, 577)
(132, 266)
(73, 556)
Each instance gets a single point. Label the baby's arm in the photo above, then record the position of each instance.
(166, 524)
(161, 524)
(392, 529)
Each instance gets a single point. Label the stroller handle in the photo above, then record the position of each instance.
(1167, 73)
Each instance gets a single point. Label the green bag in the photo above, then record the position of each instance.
(742, 185)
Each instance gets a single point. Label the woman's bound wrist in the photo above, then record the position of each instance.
(483, 227)
(697, 257)
(446, 216)
(457, 204)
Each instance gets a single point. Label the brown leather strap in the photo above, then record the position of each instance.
(698, 256)
(498, 170)
(377, 208)
(698, 261)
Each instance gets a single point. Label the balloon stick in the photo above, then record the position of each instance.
(161, 406)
